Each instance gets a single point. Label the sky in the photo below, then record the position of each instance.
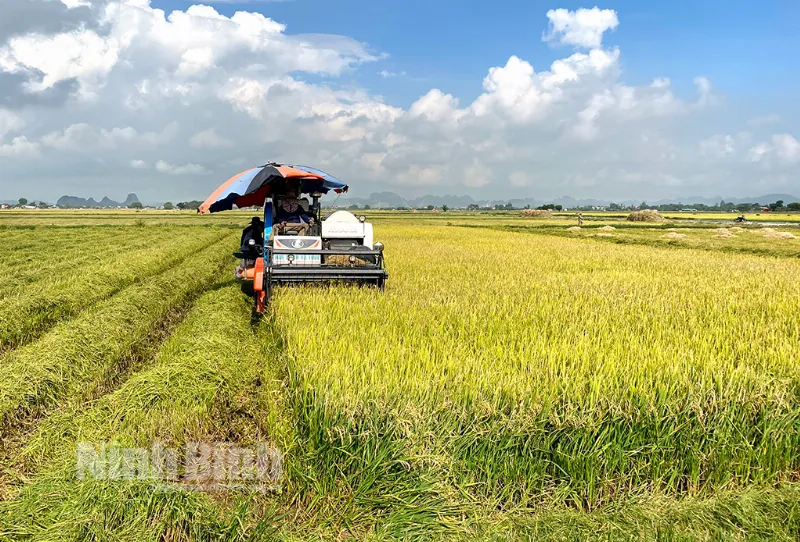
(508, 99)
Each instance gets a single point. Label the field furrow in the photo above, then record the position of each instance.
(77, 356)
(26, 315)
(209, 382)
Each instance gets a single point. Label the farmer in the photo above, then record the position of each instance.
(291, 216)
(580, 219)
(255, 232)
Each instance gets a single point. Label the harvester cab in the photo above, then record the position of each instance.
(338, 248)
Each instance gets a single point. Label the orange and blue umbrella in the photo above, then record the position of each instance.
(253, 186)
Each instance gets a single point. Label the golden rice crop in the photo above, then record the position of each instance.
(635, 369)
(498, 374)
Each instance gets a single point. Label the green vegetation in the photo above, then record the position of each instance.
(517, 380)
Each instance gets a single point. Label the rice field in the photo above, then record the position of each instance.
(516, 380)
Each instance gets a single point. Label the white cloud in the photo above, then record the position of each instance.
(9, 122)
(185, 169)
(717, 146)
(80, 54)
(387, 74)
(781, 150)
(195, 93)
(704, 89)
(72, 4)
(209, 139)
(758, 152)
(581, 28)
(87, 139)
(20, 147)
(786, 147)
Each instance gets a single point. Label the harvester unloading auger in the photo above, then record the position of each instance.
(337, 248)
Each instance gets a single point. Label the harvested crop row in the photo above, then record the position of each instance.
(26, 316)
(77, 356)
(556, 371)
(40, 242)
(209, 382)
(693, 237)
(42, 265)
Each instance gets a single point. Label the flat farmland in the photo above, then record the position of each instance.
(516, 380)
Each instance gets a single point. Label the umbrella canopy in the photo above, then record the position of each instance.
(251, 187)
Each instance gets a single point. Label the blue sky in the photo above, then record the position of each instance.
(747, 48)
(622, 100)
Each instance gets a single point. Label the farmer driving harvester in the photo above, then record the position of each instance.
(290, 214)
(297, 245)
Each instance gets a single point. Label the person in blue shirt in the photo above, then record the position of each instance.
(291, 216)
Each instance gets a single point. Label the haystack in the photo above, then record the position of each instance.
(737, 229)
(673, 235)
(574, 228)
(607, 228)
(537, 213)
(779, 235)
(723, 233)
(645, 215)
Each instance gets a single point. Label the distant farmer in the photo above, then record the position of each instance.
(580, 219)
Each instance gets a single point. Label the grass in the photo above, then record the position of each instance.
(505, 386)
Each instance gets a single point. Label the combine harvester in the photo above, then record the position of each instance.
(337, 248)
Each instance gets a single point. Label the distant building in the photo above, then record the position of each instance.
(4, 205)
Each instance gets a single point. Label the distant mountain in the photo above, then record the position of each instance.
(387, 200)
(75, 201)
